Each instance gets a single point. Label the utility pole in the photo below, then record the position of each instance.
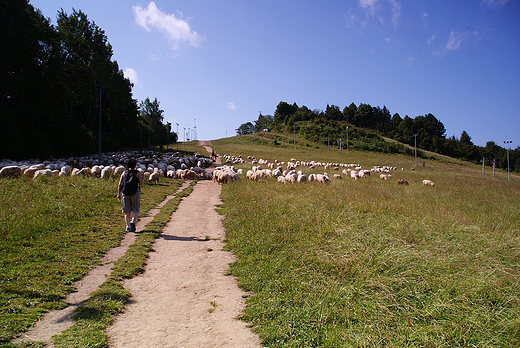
(347, 140)
(177, 136)
(508, 142)
(483, 162)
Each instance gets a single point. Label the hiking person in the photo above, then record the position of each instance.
(128, 191)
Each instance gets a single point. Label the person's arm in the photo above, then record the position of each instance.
(140, 177)
(119, 186)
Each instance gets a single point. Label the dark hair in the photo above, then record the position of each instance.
(132, 163)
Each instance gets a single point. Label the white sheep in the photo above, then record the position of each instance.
(10, 171)
(301, 178)
(428, 182)
(106, 172)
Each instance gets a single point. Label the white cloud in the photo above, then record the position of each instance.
(231, 106)
(374, 9)
(131, 74)
(176, 30)
(370, 5)
(424, 18)
(494, 3)
(431, 39)
(410, 60)
(396, 12)
(456, 39)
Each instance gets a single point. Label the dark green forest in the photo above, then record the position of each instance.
(55, 80)
(368, 127)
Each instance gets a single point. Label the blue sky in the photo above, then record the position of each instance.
(218, 64)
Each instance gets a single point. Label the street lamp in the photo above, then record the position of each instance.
(347, 140)
(508, 142)
(177, 136)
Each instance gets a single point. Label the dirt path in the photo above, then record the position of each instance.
(56, 321)
(184, 298)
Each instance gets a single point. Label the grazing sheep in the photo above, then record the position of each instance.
(190, 175)
(291, 177)
(354, 175)
(106, 172)
(10, 171)
(383, 176)
(301, 178)
(322, 178)
(154, 177)
(42, 172)
(402, 182)
(171, 174)
(337, 176)
(312, 177)
(428, 182)
(224, 174)
(282, 179)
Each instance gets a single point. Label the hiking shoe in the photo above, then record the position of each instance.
(128, 229)
(132, 226)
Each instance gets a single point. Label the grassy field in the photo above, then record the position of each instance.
(371, 263)
(53, 231)
(363, 263)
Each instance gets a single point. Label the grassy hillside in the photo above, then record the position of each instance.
(373, 263)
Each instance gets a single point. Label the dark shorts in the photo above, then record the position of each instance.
(131, 203)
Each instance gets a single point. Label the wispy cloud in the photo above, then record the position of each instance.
(374, 9)
(231, 106)
(131, 74)
(495, 3)
(369, 5)
(431, 39)
(425, 18)
(396, 12)
(456, 39)
(176, 30)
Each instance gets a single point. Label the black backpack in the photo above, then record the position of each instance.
(130, 183)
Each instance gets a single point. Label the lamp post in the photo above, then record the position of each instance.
(177, 136)
(169, 129)
(347, 140)
(415, 137)
(508, 142)
(101, 90)
(184, 142)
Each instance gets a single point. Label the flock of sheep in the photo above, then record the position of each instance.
(113, 164)
(174, 166)
(291, 173)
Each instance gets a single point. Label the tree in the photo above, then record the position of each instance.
(245, 128)
(151, 118)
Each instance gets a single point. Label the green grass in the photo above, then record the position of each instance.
(373, 263)
(54, 230)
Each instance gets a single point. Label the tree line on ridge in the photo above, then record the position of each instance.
(368, 127)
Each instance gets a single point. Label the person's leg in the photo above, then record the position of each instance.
(128, 218)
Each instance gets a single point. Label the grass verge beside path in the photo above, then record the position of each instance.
(370, 263)
(54, 230)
